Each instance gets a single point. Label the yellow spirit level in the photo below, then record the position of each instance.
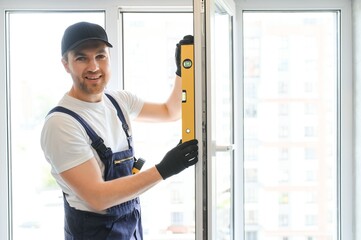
(187, 72)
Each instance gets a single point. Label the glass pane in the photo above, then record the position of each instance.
(223, 195)
(222, 86)
(290, 125)
(222, 124)
(37, 82)
(149, 71)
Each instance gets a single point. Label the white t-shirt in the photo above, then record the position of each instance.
(66, 144)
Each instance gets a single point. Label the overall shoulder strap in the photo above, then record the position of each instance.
(97, 142)
(119, 112)
(122, 119)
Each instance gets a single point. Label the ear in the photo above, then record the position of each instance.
(65, 64)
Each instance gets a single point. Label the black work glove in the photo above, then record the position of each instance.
(178, 159)
(187, 40)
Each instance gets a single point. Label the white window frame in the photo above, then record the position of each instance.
(345, 92)
(346, 184)
(111, 8)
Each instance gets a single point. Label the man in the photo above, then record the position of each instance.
(87, 140)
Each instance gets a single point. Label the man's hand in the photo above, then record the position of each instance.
(178, 159)
(187, 40)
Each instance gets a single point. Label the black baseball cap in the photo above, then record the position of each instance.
(80, 32)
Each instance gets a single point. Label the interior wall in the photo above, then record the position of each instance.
(356, 12)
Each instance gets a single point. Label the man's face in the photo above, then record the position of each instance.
(89, 67)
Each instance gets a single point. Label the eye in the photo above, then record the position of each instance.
(101, 56)
(80, 58)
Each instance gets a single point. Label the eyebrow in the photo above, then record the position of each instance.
(77, 53)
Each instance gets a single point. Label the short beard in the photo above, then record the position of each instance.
(93, 88)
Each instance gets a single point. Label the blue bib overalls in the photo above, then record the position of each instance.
(121, 222)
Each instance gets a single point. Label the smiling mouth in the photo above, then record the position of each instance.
(93, 78)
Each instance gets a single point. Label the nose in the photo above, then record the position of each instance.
(93, 65)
